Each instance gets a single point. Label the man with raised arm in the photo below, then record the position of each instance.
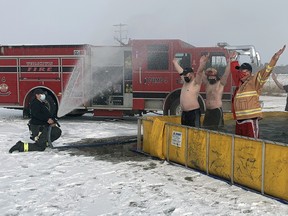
(246, 106)
(214, 85)
(190, 91)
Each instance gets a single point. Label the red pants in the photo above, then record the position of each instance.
(248, 127)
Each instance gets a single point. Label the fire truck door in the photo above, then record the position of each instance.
(37, 71)
(151, 74)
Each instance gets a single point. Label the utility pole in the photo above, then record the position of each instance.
(119, 32)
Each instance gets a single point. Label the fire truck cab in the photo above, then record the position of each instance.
(108, 80)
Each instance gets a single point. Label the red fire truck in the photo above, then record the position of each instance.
(108, 80)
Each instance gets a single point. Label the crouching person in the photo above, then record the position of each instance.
(43, 128)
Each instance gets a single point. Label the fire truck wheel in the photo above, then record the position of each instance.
(51, 104)
(175, 108)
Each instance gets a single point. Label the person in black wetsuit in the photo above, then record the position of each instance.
(39, 124)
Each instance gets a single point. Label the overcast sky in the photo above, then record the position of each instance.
(200, 23)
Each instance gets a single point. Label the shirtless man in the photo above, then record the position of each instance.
(189, 93)
(213, 118)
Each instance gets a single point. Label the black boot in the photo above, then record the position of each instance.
(17, 147)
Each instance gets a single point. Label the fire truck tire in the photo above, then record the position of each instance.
(175, 108)
(51, 104)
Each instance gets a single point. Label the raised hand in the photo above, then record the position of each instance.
(233, 55)
(204, 59)
(279, 53)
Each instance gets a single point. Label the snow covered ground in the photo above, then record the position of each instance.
(112, 180)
